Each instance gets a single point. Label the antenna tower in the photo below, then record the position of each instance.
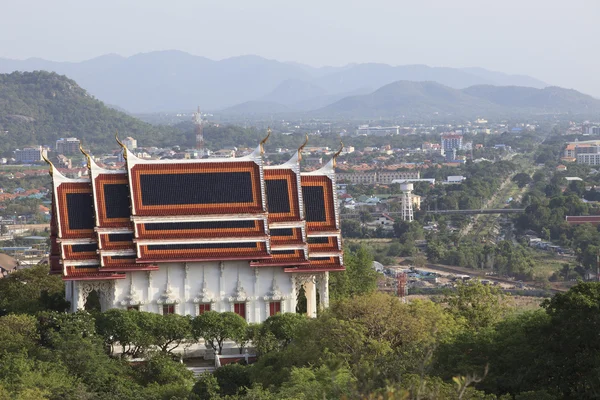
(199, 130)
(401, 287)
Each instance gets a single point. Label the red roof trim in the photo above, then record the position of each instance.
(130, 268)
(320, 269)
(266, 263)
(163, 260)
(93, 277)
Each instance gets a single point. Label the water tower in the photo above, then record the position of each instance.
(407, 201)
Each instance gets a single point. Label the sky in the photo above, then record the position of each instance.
(552, 40)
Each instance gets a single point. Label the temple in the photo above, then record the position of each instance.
(188, 236)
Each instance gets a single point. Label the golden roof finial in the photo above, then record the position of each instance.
(338, 152)
(121, 144)
(262, 142)
(51, 172)
(87, 156)
(302, 147)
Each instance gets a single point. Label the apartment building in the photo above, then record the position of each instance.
(67, 146)
(373, 177)
(30, 154)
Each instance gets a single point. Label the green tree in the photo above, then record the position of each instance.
(121, 326)
(18, 333)
(31, 290)
(170, 331)
(160, 368)
(215, 328)
(522, 179)
(572, 346)
(207, 387)
(359, 277)
(480, 305)
(233, 379)
(278, 331)
(245, 336)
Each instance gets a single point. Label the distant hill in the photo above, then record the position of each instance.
(405, 98)
(41, 107)
(292, 91)
(548, 100)
(426, 99)
(177, 81)
(252, 108)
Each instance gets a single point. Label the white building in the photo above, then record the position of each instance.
(451, 141)
(189, 236)
(67, 145)
(591, 130)
(30, 154)
(378, 130)
(130, 143)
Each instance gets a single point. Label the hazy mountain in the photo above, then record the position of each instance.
(293, 91)
(40, 107)
(324, 100)
(425, 99)
(550, 99)
(255, 107)
(174, 80)
(407, 98)
(501, 79)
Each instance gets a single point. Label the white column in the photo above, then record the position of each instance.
(311, 298)
(77, 299)
(149, 293)
(221, 287)
(186, 290)
(256, 296)
(324, 290)
(293, 301)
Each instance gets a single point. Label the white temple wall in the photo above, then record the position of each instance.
(185, 285)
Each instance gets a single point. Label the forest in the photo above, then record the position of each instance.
(471, 343)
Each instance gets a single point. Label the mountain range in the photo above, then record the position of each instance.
(178, 81)
(430, 99)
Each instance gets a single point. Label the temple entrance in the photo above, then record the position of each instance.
(306, 295)
(92, 303)
(301, 301)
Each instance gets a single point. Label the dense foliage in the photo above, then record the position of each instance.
(41, 107)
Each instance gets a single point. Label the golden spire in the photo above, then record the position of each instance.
(302, 147)
(338, 152)
(262, 142)
(87, 156)
(121, 144)
(51, 172)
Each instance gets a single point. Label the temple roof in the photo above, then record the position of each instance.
(156, 211)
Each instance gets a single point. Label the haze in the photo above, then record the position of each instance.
(551, 40)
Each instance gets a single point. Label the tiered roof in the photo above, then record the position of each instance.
(157, 211)
(323, 218)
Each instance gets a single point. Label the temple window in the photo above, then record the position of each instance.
(240, 309)
(136, 308)
(168, 309)
(202, 308)
(274, 308)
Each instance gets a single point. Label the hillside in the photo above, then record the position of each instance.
(41, 107)
(404, 98)
(551, 99)
(428, 99)
(177, 81)
(293, 91)
(253, 108)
